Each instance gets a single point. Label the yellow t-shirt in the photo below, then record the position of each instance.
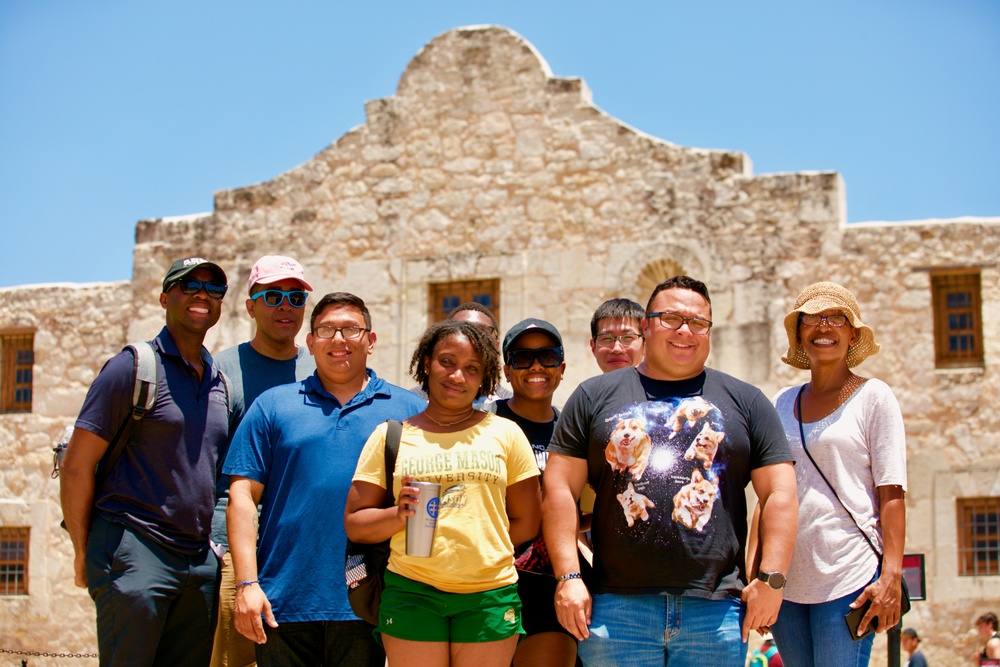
(472, 550)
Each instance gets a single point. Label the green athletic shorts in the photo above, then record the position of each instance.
(418, 612)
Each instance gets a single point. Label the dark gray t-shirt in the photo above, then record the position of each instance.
(670, 462)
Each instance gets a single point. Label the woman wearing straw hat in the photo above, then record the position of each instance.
(846, 434)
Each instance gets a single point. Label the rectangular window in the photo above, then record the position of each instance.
(978, 536)
(445, 297)
(958, 330)
(14, 560)
(17, 357)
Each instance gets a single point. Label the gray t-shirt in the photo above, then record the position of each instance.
(860, 446)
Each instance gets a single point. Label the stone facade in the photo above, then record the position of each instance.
(485, 165)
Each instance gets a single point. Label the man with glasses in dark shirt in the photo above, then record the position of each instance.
(277, 304)
(140, 529)
(669, 446)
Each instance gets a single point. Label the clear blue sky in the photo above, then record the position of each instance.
(113, 111)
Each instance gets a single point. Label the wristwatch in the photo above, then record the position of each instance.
(775, 580)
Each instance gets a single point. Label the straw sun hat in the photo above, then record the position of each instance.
(828, 296)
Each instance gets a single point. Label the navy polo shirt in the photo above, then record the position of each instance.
(303, 445)
(163, 484)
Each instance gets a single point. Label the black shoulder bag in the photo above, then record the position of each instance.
(364, 565)
(854, 617)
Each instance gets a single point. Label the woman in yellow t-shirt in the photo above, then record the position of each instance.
(459, 606)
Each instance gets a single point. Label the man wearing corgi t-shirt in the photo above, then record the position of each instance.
(669, 447)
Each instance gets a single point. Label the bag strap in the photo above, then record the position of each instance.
(143, 400)
(802, 435)
(143, 379)
(393, 433)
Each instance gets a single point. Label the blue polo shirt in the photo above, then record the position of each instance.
(164, 483)
(303, 445)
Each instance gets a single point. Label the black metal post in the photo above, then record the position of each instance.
(893, 637)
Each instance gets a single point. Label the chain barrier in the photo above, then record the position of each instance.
(44, 654)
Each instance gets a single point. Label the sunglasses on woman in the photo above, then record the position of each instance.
(274, 297)
(830, 320)
(548, 357)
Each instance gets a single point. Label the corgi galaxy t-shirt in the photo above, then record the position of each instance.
(669, 462)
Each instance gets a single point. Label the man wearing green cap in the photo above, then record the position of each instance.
(140, 526)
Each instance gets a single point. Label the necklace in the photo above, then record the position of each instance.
(471, 412)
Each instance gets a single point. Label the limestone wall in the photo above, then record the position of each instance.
(77, 328)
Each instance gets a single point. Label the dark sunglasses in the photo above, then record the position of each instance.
(274, 297)
(548, 357)
(193, 286)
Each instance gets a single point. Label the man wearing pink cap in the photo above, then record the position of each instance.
(278, 293)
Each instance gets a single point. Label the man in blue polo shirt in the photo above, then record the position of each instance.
(140, 533)
(294, 455)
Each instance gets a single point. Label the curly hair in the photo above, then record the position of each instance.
(483, 343)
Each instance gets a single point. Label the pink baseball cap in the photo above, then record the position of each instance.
(273, 268)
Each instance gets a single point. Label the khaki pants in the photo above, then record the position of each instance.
(231, 649)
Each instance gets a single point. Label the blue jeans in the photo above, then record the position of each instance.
(311, 643)
(816, 634)
(658, 630)
(155, 606)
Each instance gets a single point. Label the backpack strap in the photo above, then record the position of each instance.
(230, 400)
(393, 433)
(143, 400)
(143, 379)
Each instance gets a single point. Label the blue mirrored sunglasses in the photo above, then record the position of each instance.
(273, 297)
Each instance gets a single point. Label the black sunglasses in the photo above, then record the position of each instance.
(548, 357)
(193, 286)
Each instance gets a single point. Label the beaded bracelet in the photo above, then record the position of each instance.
(246, 583)
(571, 575)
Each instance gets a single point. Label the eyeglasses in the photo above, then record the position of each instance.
(608, 340)
(811, 320)
(548, 357)
(193, 286)
(274, 297)
(349, 333)
(696, 325)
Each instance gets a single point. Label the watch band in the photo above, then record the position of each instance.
(775, 580)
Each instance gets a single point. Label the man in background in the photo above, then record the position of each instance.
(910, 642)
(616, 339)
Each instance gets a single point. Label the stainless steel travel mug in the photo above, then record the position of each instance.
(420, 527)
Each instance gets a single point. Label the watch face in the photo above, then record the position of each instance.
(776, 580)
